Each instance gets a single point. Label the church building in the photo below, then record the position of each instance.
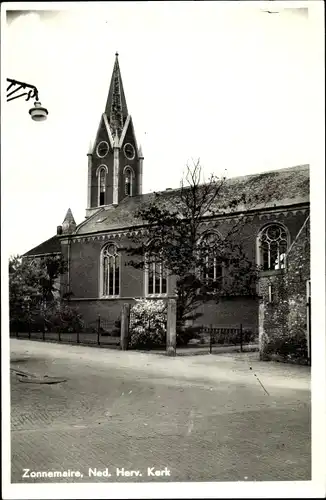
(98, 277)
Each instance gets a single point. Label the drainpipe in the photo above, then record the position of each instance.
(69, 243)
(140, 175)
(89, 180)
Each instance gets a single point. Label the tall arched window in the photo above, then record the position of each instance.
(101, 173)
(110, 271)
(211, 263)
(273, 244)
(128, 180)
(156, 276)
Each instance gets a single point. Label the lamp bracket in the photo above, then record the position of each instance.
(16, 86)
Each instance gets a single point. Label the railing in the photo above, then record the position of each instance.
(228, 336)
(101, 332)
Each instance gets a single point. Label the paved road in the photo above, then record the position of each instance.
(201, 418)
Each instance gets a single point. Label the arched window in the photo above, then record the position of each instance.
(110, 271)
(101, 173)
(128, 180)
(273, 244)
(210, 262)
(156, 276)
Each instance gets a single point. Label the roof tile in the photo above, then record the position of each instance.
(52, 245)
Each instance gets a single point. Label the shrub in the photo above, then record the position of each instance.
(111, 330)
(249, 336)
(289, 346)
(61, 317)
(184, 334)
(148, 324)
(56, 318)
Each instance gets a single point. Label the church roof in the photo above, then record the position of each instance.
(277, 188)
(116, 106)
(52, 245)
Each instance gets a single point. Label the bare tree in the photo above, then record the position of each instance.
(182, 238)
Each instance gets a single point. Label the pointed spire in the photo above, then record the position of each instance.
(69, 217)
(90, 149)
(116, 106)
(69, 224)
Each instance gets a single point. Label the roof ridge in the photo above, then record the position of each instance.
(305, 166)
(81, 224)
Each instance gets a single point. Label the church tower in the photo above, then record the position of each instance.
(115, 163)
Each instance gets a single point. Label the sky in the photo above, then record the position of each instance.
(226, 83)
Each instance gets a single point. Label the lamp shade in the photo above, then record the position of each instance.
(38, 113)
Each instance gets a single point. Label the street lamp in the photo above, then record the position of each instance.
(38, 113)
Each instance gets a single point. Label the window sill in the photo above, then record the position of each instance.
(109, 297)
(272, 272)
(156, 295)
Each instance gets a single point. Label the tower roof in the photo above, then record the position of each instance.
(69, 217)
(116, 106)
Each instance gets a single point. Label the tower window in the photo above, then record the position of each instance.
(273, 247)
(102, 172)
(128, 184)
(102, 149)
(110, 271)
(128, 181)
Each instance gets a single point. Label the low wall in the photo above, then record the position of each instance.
(108, 309)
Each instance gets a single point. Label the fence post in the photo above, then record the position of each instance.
(78, 339)
(43, 333)
(29, 320)
(124, 334)
(59, 335)
(171, 331)
(241, 338)
(210, 339)
(98, 329)
(309, 331)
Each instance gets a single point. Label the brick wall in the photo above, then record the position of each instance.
(85, 276)
(230, 312)
(96, 162)
(108, 309)
(108, 161)
(123, 162)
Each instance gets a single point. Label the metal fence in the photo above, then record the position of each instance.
(215, 336)
(99, 332)
(107, 332)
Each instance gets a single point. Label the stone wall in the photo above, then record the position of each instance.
(283, 307)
